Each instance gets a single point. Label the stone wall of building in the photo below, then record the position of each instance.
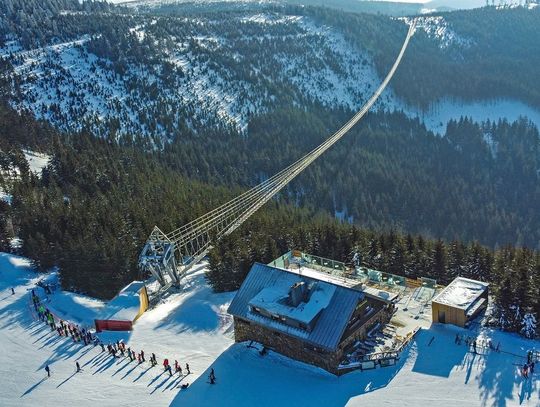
(285, 344)
(299, 350)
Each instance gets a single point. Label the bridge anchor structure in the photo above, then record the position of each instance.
(170, 256)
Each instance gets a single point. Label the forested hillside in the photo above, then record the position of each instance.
(91, 209)
(164, 115)
(227, 66)
(216, 94)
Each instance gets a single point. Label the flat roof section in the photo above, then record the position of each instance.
(374, 292)
(461, 293)
(274, 300)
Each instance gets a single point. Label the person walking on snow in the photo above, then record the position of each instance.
(525, 371)
(142, 356)
(78, 367)
(41, 312)
(48, 370)
(187, 369)
(12, 291)
(165, 363)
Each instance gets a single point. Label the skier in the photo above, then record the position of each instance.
(50, 320)
(165, 363)
(474, 346)
(526, 371)
(187, 369)
(78, 367)
(457, 339)
(48, 370)
(12, 291)
(177, 367)
(169, 368)
(212, 377)
(102, 346)
(41, 312)
(153, 359)
(142, 356)
(184, 386)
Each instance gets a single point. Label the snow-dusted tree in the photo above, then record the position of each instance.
(528, 325)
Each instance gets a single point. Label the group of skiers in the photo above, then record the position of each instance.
(114, 349)
(43, 313)
(526, 371)
(474, 343)
(119, 348)
(77, 334)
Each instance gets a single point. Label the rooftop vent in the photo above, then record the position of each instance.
(296, 293)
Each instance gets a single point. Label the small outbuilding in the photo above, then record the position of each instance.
(459, 302)
(124, 309)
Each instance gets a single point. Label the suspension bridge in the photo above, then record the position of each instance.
(169, 256)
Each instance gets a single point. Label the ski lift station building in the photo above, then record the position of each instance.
(124, 309)
(305, 316)
(459, 302)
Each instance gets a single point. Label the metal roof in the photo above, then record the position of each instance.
(332, 321)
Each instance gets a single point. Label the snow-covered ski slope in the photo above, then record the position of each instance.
(193, 327)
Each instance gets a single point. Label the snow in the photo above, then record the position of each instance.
(36, 161)
(5, 197)
(452, 4)
(437, 27)
(266, 18)
(461, 293)
(314, 62)
(273, 299)
(191, 326)
(341, 280)
(126, 305)
(15, 243)
(440, 113)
